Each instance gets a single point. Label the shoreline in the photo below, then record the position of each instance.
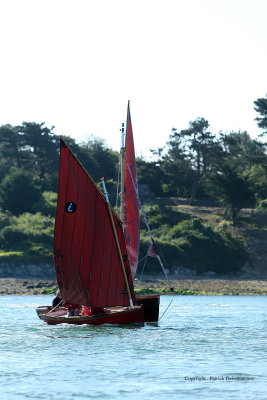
(150, 285)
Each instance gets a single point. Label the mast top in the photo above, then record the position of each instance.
(122, 136)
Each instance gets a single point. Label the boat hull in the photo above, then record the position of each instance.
(113, 316)
(150, 304)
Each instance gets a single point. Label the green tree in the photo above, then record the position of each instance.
(232, 179)
(177, 169)
(101, 161)
(41, 146)
(19, 192)
(95, 157)
(239, 147)
(261, 108)
(150, 173)
(197, 146)
(233, 187)
(10, 154)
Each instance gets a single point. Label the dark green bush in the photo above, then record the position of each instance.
(202, 249)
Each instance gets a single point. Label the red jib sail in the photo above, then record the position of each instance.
(87, 260)
(131, 207)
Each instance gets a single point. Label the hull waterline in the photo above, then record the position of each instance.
(113, 316)
(149, 303)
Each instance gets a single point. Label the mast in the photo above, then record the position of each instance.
(122, 162)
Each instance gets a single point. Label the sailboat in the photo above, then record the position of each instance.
(90, 255)
(130, 206)
(96, 253)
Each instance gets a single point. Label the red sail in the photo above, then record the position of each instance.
(131, 207)
(87, 261)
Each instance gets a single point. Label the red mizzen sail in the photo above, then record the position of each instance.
(131, 207)
(87, 260)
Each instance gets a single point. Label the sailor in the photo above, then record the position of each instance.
(57, 300)
(97, 311)
(73, 309)
(93, 311)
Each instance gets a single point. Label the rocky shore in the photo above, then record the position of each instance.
(183, 286)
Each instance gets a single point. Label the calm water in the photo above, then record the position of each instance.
(204, 347)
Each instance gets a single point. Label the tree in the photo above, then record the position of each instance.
(196, 145)
(233, 187)
(41, 146)
(150, 173)
(176, 169)
(233, 178)
(10, 156)
(240, 147)
(97, 158)
(261, 108)
(19, 192)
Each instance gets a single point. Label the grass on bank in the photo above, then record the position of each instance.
(201, 292)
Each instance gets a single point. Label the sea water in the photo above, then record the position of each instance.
(203, 347)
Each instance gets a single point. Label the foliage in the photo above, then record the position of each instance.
(97, 159)
(202, 249)
(50, 291)
(194, 245)
(263, 205)
(233, 188)
(237, 177)
(231, 168)
(47, 204)
(196, 147)
(160, 215)
(19, 191)
(261, 108)
(30, 234)
(151, 174)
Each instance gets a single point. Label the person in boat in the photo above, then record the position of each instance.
(93, 311)
(97, 311)
(73, 309)
(57, 300)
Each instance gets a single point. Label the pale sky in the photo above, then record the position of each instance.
(74, 64)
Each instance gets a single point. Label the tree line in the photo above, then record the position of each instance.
(195, 163)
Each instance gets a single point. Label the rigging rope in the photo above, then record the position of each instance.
(141, 276)
(148, 227)
(166, 309)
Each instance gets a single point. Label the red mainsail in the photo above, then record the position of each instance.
(87, 260)
(131, 207)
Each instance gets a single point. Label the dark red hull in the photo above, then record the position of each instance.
(150, 305)
(113, 316)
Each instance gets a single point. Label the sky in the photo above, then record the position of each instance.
(74, 64)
